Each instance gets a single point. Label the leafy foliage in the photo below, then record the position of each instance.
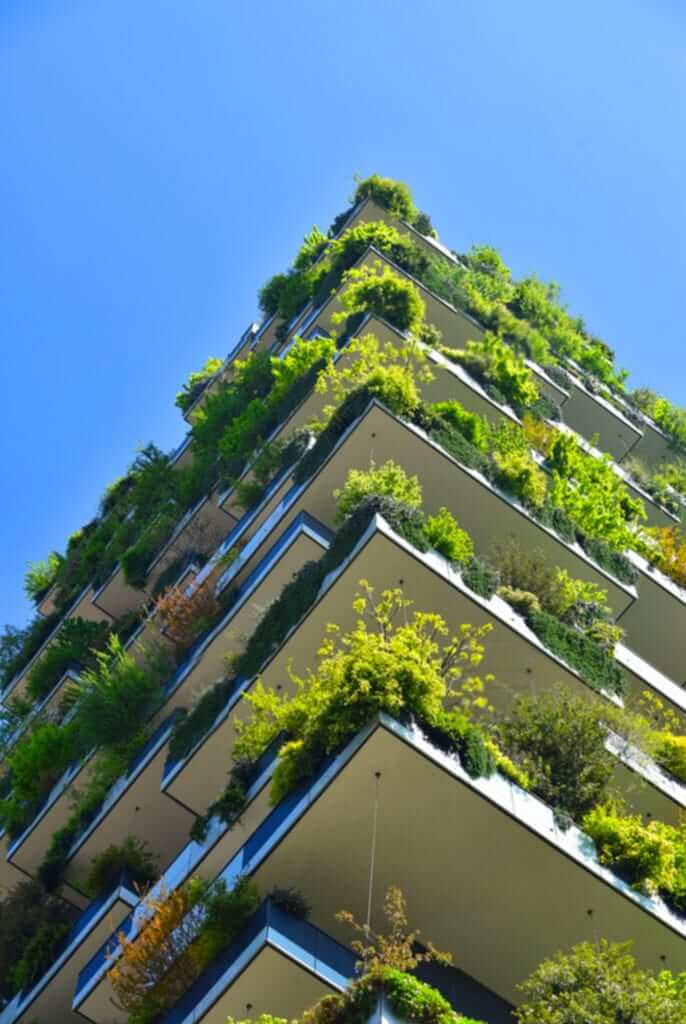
(183, 931)
(117, 693)
(389, 479)
(76, 642)
(600, 982)
(35, 764)
(652, 856)
(32, 927)
(40, 576)
(391, 195)
(108, 867)
(593, 495)
(558, 739)
(670, 553)
(379, 290)
(443, 534)
(497, 366)
(377, 667)
(197, 381)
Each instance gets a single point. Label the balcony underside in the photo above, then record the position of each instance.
(514, 889)
(513, 655)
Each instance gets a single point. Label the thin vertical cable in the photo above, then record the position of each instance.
(377, 776)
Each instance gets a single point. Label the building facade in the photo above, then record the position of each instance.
(406, 609)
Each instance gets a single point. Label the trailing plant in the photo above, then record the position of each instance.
(131, 857)
(591, 660)
(196, 383)
(600, 982)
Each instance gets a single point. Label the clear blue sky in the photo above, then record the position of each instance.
(161, 158)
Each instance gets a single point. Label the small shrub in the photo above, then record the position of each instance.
(40, 576)
(474, 428)
(381, 291)
(670, 554)
(443, 534)
(494, 362)
(523, 601)
(643, 854)
(389, 479)
(481, 577)
(391, 195)
(558, 739)
(291, 901)
(600, 982)
(115, 694)
(39, 954)
(107, 869)
(183, 613)
(671, 754)
(25, 911)
(75, 642)
(196, 382)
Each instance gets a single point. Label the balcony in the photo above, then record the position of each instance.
(205, 663)
(50, 998)
(518, 886)
(278, 964)
(134, 806)
(26, 851)
(10, 875)
(84, 608)
(367, 210)
(212, 384)
(514, 655)
(652, 632)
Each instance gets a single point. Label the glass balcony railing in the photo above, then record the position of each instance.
(308, 946)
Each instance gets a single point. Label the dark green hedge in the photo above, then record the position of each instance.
(595, 666)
